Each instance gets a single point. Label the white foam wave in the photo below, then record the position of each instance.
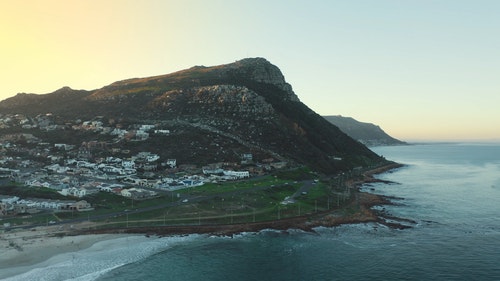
(102, 257)
(95, 275)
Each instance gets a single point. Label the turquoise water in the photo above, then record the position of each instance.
(451, 191)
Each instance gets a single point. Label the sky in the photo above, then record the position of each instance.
(420, 69)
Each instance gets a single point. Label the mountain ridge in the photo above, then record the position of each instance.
(248, 100)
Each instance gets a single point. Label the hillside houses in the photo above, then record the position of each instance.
(107, 159)
(11, 205)
(8, 173)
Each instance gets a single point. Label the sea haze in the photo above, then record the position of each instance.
(451, 191)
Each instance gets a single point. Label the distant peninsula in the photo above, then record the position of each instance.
(367, 133)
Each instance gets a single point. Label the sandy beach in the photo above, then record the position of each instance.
(24, 250)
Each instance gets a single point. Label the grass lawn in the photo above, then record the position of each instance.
(223, 187)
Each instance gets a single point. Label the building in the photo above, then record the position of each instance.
(237, 174)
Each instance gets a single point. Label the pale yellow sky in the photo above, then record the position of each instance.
(422, 70)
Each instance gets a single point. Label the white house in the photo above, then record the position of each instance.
(113, 160)
(105, 188)
(64, 146)
(110, 169)
(146, 127)
(237, 174)
(162, 132)
(172, 163)
(128, 164)
(118, 132)
(126, 193)
(152, 157)
(56, 168)
(212, 171)
(73, 191)
(138, 193)
(31, 182)
(141, 135)
(8, 199)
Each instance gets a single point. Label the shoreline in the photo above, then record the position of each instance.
(29, 249)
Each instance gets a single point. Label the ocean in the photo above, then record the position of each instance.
(450, 190)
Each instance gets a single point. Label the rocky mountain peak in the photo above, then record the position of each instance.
(246, 72)
(262, 71)
(64, 89)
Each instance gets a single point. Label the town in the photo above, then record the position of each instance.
(89, 166)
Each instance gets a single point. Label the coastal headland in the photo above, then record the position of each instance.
(361, 214)
(359, 210)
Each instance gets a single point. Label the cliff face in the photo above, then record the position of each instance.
(216, 100)
(247, 102)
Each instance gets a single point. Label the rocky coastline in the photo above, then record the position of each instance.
(362, 204)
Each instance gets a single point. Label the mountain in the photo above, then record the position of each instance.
(366, 133)
(215, 114)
